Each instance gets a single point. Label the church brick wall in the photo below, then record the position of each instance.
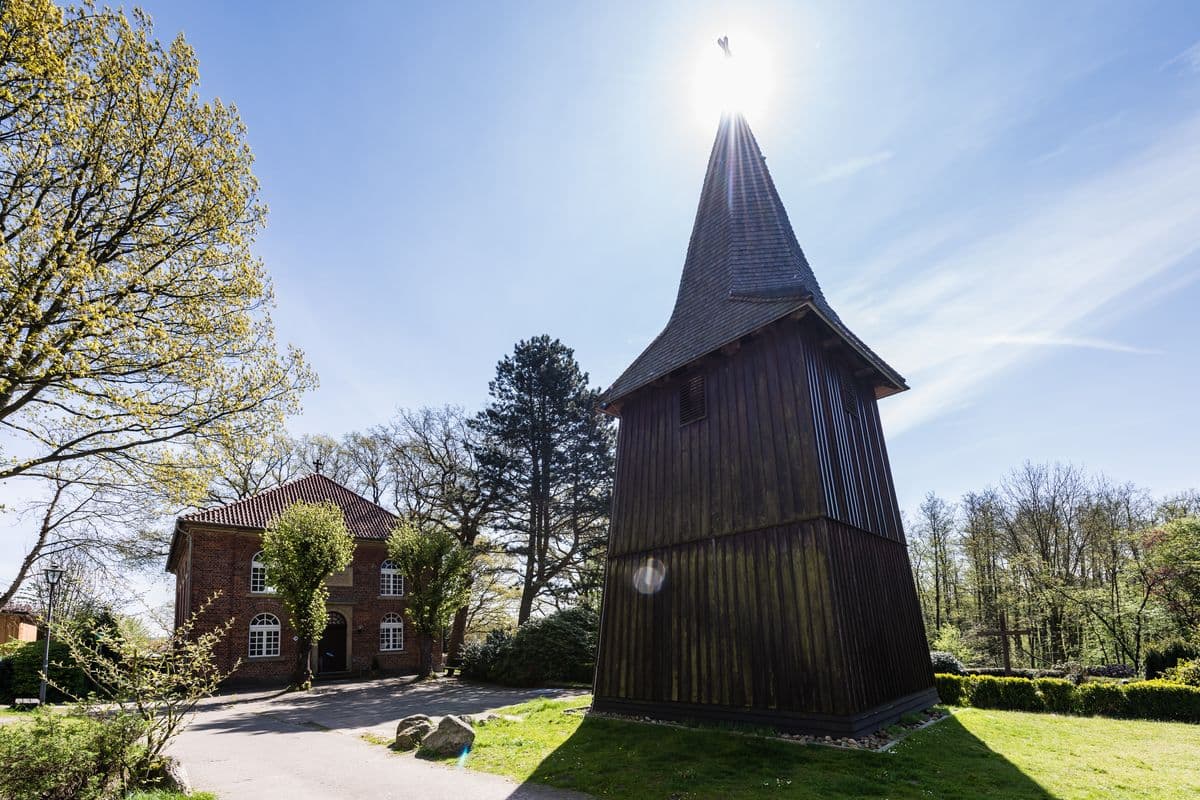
(217, 559)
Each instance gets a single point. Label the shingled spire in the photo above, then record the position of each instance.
(744, 270)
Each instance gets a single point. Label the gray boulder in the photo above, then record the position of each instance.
(412, 731)
(412, 719)
(452, 736)
(169, 774)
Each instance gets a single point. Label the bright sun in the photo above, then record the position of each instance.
(740, 83)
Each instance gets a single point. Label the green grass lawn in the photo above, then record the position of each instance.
(975, 753)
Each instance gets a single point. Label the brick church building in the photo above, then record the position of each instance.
(219, 549)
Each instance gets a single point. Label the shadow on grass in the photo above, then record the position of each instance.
(621, 759)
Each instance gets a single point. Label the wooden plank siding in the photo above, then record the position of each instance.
(787, 595)
(750, 463)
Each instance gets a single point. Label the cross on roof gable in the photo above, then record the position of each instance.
(744, 270)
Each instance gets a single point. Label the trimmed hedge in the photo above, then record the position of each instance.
(1162, 700)
(1100, 699)
(1058, 695)
(21, 674)
(1157, 699)
(954, 690)
(1013, 694)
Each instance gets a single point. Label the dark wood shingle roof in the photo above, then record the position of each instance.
(364, 519)
(744, 270)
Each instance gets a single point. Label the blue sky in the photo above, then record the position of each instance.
(1002, 199)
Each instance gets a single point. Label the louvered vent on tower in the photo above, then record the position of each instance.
(849, 392)
(692, 403)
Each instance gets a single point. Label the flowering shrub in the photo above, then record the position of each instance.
(1185, 672)
(1028, 674)
(1164, 656)
(947, 663)
(1111, 671)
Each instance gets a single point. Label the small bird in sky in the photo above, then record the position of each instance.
(724, 43)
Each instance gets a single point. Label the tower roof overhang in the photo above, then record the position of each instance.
(744, 271)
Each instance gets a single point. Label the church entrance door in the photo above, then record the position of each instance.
(331, 650)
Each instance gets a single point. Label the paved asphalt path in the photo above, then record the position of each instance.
(309, 746)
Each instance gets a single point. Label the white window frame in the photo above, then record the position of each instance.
(391, 633)
(391, 582)
(258, 575)
(264, 638)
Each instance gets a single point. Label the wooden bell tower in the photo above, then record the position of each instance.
(757, 569)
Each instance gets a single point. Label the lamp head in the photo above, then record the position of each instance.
(53, 574)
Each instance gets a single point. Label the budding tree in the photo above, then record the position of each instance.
(301, 548)
(134, 318)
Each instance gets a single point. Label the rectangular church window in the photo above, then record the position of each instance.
(692, 403)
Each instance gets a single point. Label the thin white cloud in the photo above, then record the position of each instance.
(1095, 246)
(853, 166)
(1085, 342)
(1189, 59)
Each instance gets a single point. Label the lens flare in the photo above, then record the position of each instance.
(738, 83)
(649, 577)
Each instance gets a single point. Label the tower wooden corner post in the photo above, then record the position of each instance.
(757, 569)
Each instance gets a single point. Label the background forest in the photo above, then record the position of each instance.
(1086, 569)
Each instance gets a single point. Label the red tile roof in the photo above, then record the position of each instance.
(364, 519)
(18, 610)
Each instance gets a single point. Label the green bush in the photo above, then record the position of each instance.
(56, 757)
(1162, 700)
(1012, 694)
(560, 647)
(1185, 672)
(479, 658)
(954, 690)
(21, 676)
(1163, 656)
(1104, 699)
(557, 648)
(1058, 694)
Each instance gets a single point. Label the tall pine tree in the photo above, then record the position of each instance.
(548, 453)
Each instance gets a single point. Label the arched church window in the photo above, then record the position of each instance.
(391, 632)
(258, 575)
(264, 636)
(391, 582)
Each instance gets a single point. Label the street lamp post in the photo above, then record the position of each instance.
(53, 574)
